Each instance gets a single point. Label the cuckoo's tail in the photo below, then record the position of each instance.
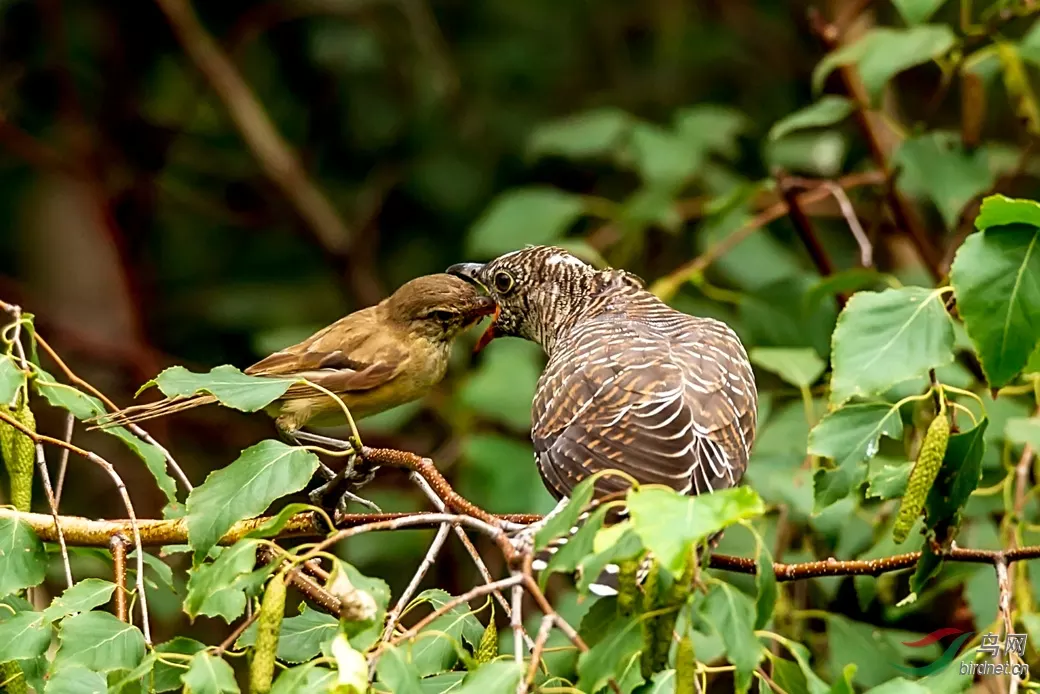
(141, 413)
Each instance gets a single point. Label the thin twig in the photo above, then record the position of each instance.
(272, 152)
(135, 429)
(118, 545)
(41, 464)
(866, 249)
(413, 585)
(63, 461)
(536, 653)
(239, 630)
(516, 621)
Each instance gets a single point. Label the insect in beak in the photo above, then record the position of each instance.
(490, 333)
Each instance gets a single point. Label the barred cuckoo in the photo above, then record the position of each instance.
(630, 384)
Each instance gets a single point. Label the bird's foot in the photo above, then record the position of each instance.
(522, 540)
(348, 496)
(350, 444)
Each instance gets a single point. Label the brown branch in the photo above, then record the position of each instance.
(903, 213)
(117, 544)
(273, 153)
(667, 286)
(305, 584)
(536, 653)
(802, 224)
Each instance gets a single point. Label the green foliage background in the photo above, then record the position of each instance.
(142, 232)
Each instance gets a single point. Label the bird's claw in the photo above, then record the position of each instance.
(523, 540)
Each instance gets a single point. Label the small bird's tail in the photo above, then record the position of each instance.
(141, 413)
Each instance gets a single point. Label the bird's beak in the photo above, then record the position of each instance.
(468, 271)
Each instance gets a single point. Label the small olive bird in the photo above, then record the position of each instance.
(631, 384)
(374, 359)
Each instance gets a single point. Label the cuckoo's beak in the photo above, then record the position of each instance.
(469, 272)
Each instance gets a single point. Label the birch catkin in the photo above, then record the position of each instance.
(929, 460)
(269, 624)
(19, 453)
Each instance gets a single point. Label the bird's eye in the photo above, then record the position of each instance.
(441, 316)
(503, 281)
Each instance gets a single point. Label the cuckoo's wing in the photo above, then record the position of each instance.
(674, 407)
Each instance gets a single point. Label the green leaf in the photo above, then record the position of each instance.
(435, 651)
(80, 597)
(226, 383)
(711, 128)
(245, 488)
(958, 477)
(83, 406)
(398, 672)
(364, 635)
(561, 523)
(799, 366)
(534, 215)
(100, 642)
(994, 275)
(670, 523)
(899, 685)
(595, 133)
(1023, 430)
(888, 481)
(499, 677)
(24, 635)
(917, 11)
(884, 338)
(311, 678)
(843, 685)
(827, 111)
(219, 588)
(610, 656)
(579, 546)
(1000, 210)
(622, 542)
(662, 158)
(23, 563)
(733, 615)
(937, 166)
(765, 583)
(75, 679)
(849, 436)
(301, 637)
(11, 379)
(503, 385)
(210, 674)
(275, 524)
(882, 53)
(167, 676)
(857, 642)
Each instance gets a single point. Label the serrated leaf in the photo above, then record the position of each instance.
(226, 383)
(595, 133)
(75, 679)
(23, 563)
(83, 407)
(499, 677)
(210, 674)
(80, 597)
(827, 111)
(311, 678)
(245, 488)
(100, 642)
(889, 481)
(610, 656)
(885, 338)
(958, 477)
(561, 523)
(733, 615)
(799, 366)
(11, 379)
(219, 588)
(670, 524)
(849, 436)
(579, 546)
(1000, 210)
(435, 652)
(882, 53)
(167, 676)
(534, 215)
(397, 671)
(301, 637)
(936, 165)
(274, 525)
(624, 544)
(994, 275)
(24, 635)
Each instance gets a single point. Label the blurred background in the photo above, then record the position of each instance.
(204, 185)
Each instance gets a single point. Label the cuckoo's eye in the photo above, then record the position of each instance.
(503, 281)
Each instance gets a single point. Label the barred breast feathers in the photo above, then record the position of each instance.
(637, 386)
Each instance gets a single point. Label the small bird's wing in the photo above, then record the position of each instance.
(671, 404)
(347, 356)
